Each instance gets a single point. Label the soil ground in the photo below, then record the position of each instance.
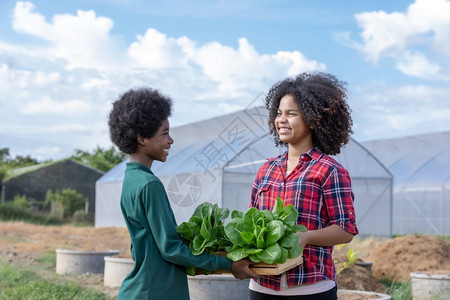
(24, 244)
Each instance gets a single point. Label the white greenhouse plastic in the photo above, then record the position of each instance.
(216, 160)
(420, 165)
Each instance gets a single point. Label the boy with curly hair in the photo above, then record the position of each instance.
(308, 114)
(139, 126)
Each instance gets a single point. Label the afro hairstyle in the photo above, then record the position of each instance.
(138, 112)
(321, 98)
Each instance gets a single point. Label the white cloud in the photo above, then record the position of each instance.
(82, 40)
(390, 111)
(417, 38)
(43, 79)
(69, 127)
(298, 62)
(95, 83)
(245, 67)
(64, 84)
(27, 80)
(417, 64)
(50, 106)
(44, 131)
(383, 33)
(344, 38)
(155, 50)
(25, 21)
(234, 70)
(46, 150)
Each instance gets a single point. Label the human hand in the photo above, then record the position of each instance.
(240, 269)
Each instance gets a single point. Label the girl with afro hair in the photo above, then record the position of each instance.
(310, 116)
(139, 126)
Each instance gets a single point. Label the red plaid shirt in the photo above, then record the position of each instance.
(320, 188)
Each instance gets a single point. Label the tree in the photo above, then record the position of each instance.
(4, 154)
(100, 159)
(18, 161)
(7, 163)
(22, 161)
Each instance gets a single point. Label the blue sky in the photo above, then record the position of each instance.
(62, 63)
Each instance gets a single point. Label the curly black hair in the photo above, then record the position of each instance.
(138, 112)
(322, 100)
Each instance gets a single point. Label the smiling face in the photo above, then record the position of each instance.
(290, 125)
(155, 148)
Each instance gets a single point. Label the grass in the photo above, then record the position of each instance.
(403, 291)
(10, 213)
(398, 290)
(20, 283)
(10, 238)
(48, 260)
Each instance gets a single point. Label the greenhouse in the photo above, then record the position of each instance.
(420, 165)
(216, 160)
(34, 181)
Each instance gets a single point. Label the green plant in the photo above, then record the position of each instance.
(352, 256)
(398, 290)
(80, 217)
(20, 202)
(205, 230)
(69, 199)
(3, 171)
(8, 212)
(101, 159)
(264, 235)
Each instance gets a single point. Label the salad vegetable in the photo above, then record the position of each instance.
(205, 229)
(261, 235)
(264, 235)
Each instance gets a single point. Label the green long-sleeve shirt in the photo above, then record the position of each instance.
(158, 251)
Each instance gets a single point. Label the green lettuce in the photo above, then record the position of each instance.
(204, 232)
(205, 229)
(263, 235)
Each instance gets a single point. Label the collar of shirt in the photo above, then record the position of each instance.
(312, 154)
(137, 166)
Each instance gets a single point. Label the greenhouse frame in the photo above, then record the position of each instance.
(420, 165)
(216, 160)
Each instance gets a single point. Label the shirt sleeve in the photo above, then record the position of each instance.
(338, 197)
(163, 228)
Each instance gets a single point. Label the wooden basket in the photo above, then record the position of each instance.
(276, 269)
(268, 269)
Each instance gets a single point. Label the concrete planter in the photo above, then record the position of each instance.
(218, 287)
(79, 261)
(116, 269)
(430, 284)
(353, 294)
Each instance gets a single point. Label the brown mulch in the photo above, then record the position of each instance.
(360, 279)
(395, 259)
